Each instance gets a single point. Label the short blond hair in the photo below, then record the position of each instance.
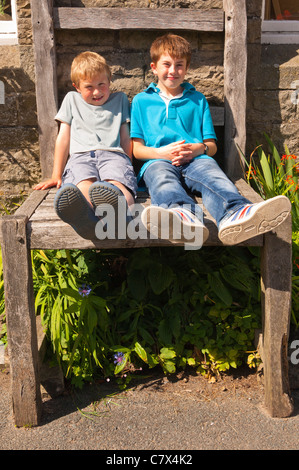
(86, 65)
(176, 46)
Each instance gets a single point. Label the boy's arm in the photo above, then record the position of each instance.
(125, 139)
(178, 152)
(61, 153)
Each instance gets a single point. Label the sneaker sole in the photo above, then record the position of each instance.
(266, 218)
(71, 207)
(103, 193)
(166, 225)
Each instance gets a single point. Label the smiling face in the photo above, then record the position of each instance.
(94, 90)
(171, 73)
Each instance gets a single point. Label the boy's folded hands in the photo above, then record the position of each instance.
(178, 152)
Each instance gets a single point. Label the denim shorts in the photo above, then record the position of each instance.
(102, 165)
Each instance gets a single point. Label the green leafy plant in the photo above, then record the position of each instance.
(168, 308)
(271, 175)
(3, 6)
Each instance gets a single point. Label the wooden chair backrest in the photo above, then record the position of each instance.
(232, 20)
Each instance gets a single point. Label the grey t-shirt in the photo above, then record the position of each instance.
(94, 127)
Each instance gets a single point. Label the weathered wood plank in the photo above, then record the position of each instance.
(45, 222)
(46, 80)
(31, 204)
(276, 270)
(235, 72)
(21, 324)
(138, 18)
(247, 191)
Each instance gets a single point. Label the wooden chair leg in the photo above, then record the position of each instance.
(21, 322)
(276, 289)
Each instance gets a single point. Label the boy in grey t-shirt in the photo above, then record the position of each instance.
(93, 151)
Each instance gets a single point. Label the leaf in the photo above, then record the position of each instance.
(146, 335)
(167, 353)
(92, 319)
(191, 361)
(274, 150)
(160, 277)
(164, 332)
(266, 170)
(119, 367)
(141, 352)
(137, 284)
(219, 288)
(169, 367)
(71, 293)
(174, 323)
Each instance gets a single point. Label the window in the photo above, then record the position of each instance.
(280, 23)
(8, 22)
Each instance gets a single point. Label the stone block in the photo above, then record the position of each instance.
(9, 110)
(27, 115)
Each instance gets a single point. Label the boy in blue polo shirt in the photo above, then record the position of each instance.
(173, 133)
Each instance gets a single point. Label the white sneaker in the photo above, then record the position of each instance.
(254, 219)
(174, 224)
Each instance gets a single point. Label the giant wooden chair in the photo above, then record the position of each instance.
(36, 226)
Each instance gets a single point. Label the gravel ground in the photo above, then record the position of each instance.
(156, 414)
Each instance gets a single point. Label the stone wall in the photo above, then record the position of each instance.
(19, 151)
(272, 81)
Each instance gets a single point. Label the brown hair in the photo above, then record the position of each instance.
(176, 46)
(86, 65)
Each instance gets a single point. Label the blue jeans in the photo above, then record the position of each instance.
(168, 186)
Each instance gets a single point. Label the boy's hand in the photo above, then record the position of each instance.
(181, 153)
(176, 150)
(50, 183)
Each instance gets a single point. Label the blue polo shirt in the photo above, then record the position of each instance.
(187, 117)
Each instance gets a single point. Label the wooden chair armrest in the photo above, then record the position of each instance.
(247, 191)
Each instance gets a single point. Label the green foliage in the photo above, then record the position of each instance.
(147, 308)
(271, 176)
(2, 5)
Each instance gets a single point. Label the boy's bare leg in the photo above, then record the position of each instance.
(84, 186)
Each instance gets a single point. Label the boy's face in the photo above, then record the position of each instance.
(95, 90)
(170, 72)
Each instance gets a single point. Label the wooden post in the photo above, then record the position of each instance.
(235, 73)
(21, 322)
(276, 289)
(46, 80)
